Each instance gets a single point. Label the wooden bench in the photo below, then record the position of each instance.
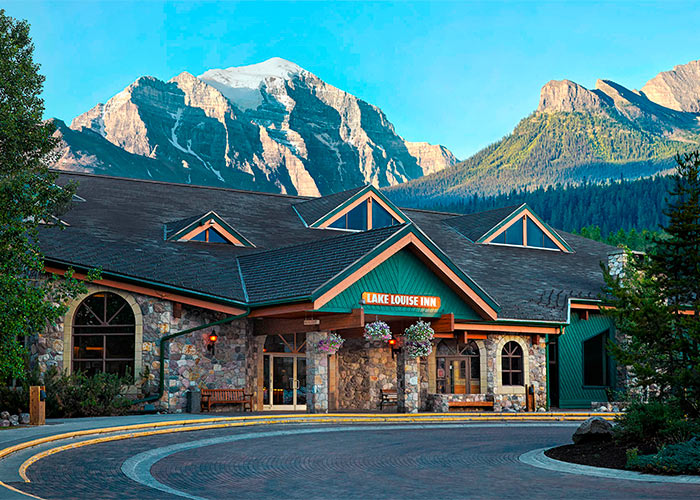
(226, 397)
(470, 404)
(389, 397)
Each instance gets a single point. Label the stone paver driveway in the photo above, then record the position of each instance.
(459, 461)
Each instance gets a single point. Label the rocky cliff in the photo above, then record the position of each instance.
(577, 133)
(271, 126)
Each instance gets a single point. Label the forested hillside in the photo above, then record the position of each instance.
(611, 206)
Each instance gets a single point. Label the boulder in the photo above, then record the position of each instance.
(593, 429)
(5, 415)
(14, 420)
(24, 418)
(4, 423)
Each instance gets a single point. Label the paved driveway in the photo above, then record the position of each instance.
(465, 461)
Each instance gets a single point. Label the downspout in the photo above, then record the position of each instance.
(549, 386)
(167, 338)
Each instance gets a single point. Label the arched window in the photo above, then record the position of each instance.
(458, 368)
(104, 330)
(512, 364)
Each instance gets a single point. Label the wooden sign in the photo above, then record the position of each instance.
(399, 300)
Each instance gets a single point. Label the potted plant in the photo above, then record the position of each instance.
(418, 339)
(377, 331)
(331, 344)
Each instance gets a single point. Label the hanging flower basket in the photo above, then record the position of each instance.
(377, 331)
(418, 339)
(330, 345)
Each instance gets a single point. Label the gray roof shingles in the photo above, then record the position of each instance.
(315, 208)
(120, 228)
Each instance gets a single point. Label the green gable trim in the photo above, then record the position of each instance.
(408, 228)
(352, 199)
(517, 213)
(402, 273)
(207, 217)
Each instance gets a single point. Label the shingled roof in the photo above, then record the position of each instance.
(475, 225)
(315, 208)
(120, 228)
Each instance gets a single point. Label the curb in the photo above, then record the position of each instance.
(537, 458)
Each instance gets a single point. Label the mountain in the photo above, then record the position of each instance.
(578, 134)
(271, 126)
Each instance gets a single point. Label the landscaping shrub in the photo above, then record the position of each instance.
(652, 425)
(79, 395)
(681, 458)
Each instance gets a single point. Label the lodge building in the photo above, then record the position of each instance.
(256, 280)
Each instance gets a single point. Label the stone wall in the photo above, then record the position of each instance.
(407, 383)
(439, 403)
(364, 369)
(317, 380)
(189, 364)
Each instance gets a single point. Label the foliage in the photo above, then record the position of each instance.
(418, 339)
(651, 300)
(378, 330)
(632, 239)
(654, 424)
(80, 395)
(681, 458)
(331, 344)
(611, 206)
(29, 199)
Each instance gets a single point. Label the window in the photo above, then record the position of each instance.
(596, 361)
(536, 237)
(512, 364)
(355, 219)
(210, 236)
(104, 331)
(458, 368)
(381, 218)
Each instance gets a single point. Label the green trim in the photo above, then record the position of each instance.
(409, 228)
(547, 372)
(208, 216)
(154, 284)
(515, 214)
(356, 196)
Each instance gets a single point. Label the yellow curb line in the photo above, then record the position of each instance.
(282, 419)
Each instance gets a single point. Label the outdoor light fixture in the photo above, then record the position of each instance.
(211, 346)
(394, 346)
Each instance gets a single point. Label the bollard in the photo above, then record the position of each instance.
(37, 405)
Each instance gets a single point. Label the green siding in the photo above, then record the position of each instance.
(402, 273)
(572, 393)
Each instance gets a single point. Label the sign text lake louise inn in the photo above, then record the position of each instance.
(395, 299)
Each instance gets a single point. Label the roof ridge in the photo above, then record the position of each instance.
(181, 184)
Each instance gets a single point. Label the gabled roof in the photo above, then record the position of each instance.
(179, 229)
(477, 224)
(319, 210)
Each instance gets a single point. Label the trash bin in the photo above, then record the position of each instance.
(194, 400)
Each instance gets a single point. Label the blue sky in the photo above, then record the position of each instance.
(460, 74)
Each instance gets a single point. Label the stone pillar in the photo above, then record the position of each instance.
(407, 383)
(317, 382)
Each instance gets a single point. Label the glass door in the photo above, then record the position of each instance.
(285, 382)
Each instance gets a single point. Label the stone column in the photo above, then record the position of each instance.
(316, 375)
(407, 383)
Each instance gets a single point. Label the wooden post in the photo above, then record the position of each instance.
(37, 407)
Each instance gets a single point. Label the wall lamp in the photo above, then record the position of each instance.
(211, 345)
(394, 346)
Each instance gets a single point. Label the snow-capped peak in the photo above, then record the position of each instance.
(241, 84)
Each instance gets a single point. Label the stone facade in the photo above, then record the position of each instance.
(190, 365)
(317, 374)
(364, 369)
(439, 403)
(408, 383)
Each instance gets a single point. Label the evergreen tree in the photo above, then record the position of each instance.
(29, 199)
(656, 301)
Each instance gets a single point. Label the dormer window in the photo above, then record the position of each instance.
(359, 209)
(207, 228)
(513, 226)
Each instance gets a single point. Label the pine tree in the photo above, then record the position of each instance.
(29, 198)
(656, 302)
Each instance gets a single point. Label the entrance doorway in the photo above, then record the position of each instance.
(284, 372)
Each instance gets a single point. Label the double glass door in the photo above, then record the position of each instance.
(284, 385)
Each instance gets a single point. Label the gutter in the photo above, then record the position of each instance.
(168, 338)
